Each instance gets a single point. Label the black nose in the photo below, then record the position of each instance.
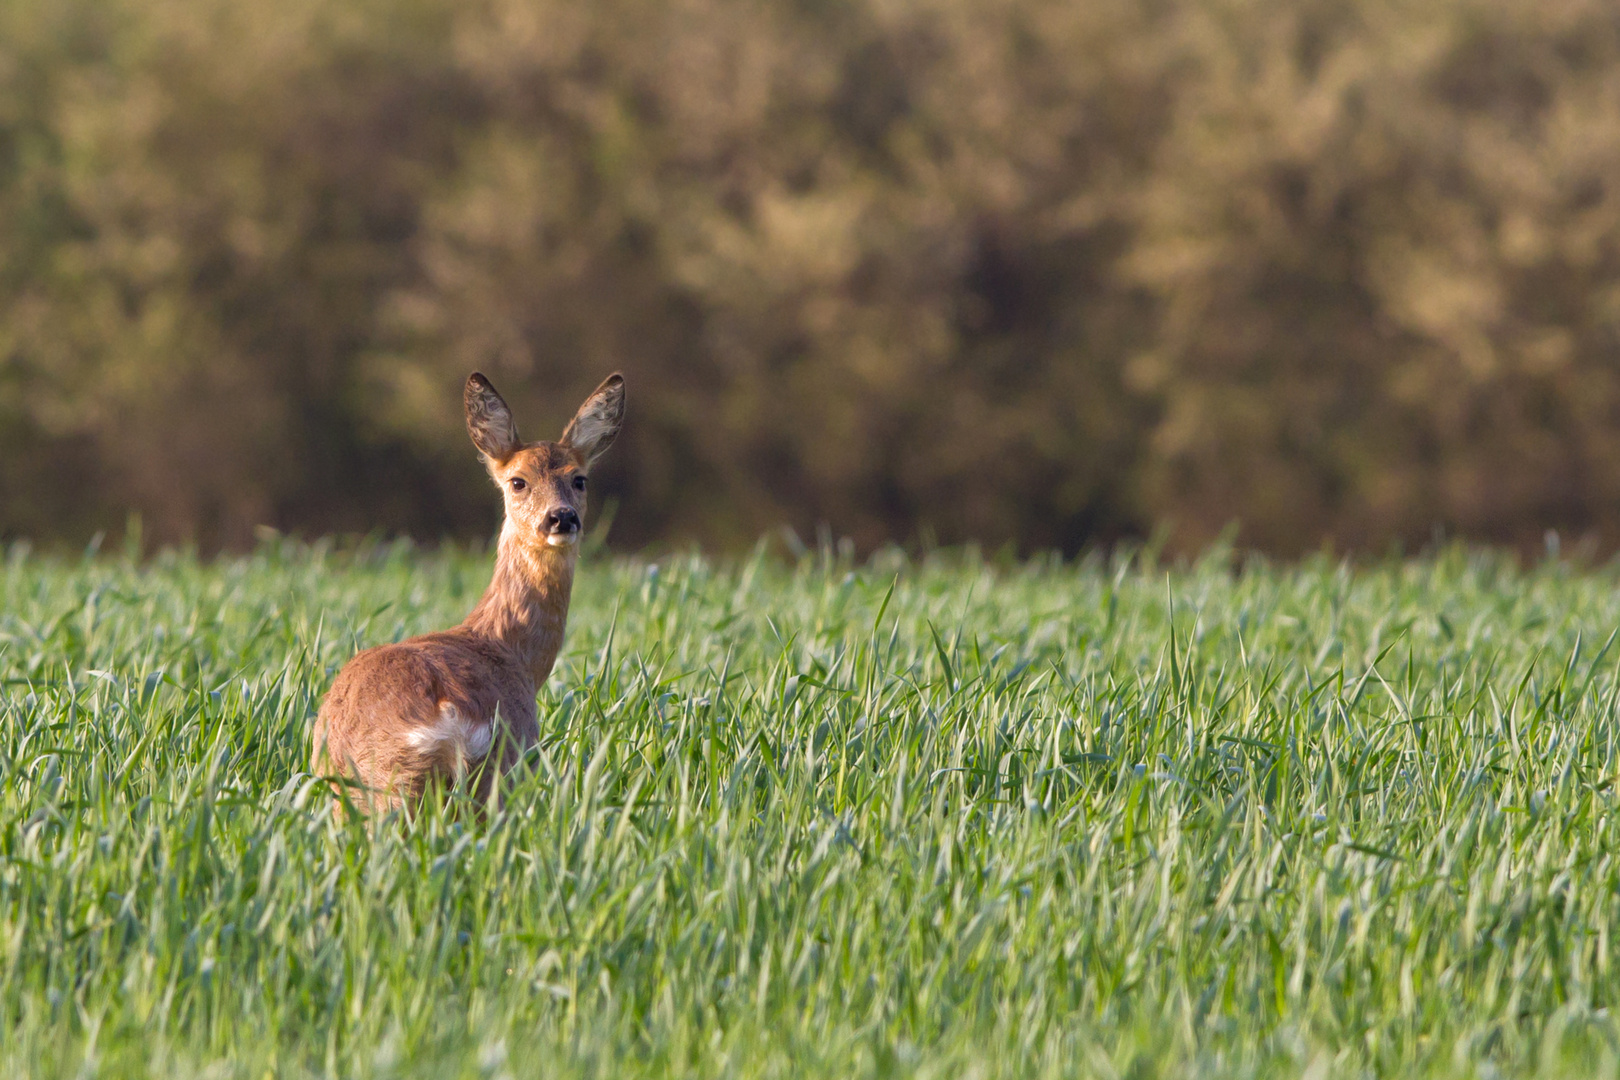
(564, 519)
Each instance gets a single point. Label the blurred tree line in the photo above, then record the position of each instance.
(1043, 271)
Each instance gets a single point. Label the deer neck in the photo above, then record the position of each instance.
(526, 604)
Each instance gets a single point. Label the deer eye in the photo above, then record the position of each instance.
(518, 483)
(579, 483)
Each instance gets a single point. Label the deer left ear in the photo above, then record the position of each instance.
(592, 429)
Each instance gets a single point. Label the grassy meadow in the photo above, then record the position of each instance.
(824, 818)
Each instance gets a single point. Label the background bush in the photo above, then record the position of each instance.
(1008, 270)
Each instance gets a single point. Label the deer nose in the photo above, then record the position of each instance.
(564, 519)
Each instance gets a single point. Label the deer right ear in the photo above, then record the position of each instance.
(489, 421)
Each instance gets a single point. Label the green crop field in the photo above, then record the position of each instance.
(823, 818)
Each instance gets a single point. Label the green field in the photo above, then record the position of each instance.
(934, 818)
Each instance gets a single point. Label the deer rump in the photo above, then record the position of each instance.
(425, 711)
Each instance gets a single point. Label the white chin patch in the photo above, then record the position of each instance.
(562, 540)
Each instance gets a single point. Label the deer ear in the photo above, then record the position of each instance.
(592, 429)
(489, 421)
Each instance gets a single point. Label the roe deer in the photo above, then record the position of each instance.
(432, 708)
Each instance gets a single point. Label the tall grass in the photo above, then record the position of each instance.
(931, 818)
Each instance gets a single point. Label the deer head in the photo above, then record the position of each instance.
(543, 483)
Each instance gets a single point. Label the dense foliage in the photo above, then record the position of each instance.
(1028, 270)
(828, 819)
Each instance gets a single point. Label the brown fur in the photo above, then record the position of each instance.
(458, 706)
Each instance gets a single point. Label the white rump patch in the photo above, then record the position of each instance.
(454, 736)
